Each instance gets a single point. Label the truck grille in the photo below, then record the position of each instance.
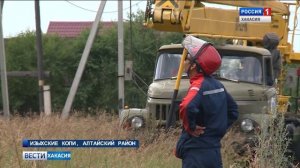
(162, 111)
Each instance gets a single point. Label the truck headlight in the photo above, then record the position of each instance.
(247, 125)
(136, 122)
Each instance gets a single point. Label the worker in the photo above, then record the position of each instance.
(270, 42)
(207, 111)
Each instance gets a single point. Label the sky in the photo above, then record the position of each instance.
(19, 16)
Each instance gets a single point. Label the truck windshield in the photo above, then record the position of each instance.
(167, 66)
(239, 68)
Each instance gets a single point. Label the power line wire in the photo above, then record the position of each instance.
(96, 11)
(80, 6)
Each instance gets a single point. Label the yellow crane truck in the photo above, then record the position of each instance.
(246, 70)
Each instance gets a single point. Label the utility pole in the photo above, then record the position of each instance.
(39, 49)
(120, 56)
(5, 100)
(83, 60)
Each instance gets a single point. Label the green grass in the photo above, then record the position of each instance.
(155, 151)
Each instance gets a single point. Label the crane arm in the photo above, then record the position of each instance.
(193, 17)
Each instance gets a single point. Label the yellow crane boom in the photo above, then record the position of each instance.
(193, 17)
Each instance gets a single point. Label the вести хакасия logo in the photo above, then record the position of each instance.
(46, 155)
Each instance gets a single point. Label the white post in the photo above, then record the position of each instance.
(4, 85)
(120, 56)
(47, 100)
(83, 60)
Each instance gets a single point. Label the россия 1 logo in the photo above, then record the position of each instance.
(257, 15)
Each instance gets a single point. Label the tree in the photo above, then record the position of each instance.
(145, 43)
(98, 88)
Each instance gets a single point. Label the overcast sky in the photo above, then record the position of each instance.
(19, 16)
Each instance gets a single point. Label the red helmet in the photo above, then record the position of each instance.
(203, 54)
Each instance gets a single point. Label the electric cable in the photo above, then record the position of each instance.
(89, 10)
(135, 74)
(136, 83)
